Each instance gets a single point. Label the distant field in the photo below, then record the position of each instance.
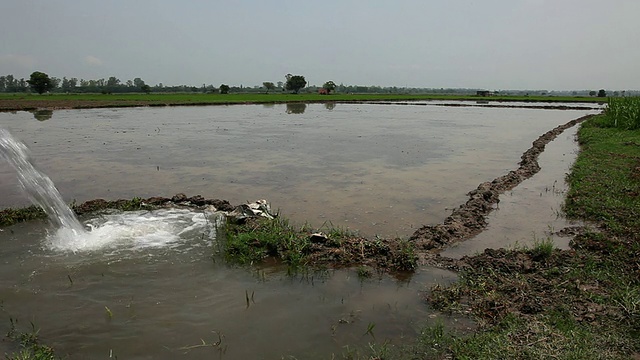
(33, 101)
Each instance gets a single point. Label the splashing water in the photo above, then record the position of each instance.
(133, 230)
(38, 187)
(140, 230)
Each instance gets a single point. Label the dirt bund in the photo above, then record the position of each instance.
(483, 104)
(469, 219)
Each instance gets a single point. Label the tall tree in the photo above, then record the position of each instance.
(295, 83)
(330, 86)
(113, 82)
(602, 93)
(40, 82)
(137, 82)
(224, 89)
(268, 85)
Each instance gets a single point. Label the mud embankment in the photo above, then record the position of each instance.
(469, 219)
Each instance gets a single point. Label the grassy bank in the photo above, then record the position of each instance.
(546, 303)
(259, 238)
(33, 101)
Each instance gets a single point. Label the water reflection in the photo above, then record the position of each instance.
(296, 108)
(330, 106)
(42, 115)
(268, 105)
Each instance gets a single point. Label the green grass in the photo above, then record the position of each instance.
(29, 344)
(622, 113)
(605, 180)
(204, 99)
(542, 249)
(253, 242)
(12, 216)
(260, 238)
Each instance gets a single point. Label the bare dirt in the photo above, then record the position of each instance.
(36, 104)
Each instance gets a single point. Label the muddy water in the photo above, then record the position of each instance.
(533, 210)
(380, 169)
(163, 299)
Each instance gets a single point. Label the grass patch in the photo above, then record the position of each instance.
(551, 336)
(29, 344)
(542, 249)
(12, 216)
(605, 180)
(260, 238)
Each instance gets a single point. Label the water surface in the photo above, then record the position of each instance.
(379, 169)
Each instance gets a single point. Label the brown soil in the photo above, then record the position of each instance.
(37, 104)
(152, 202)
(469, 219)
(486, 105)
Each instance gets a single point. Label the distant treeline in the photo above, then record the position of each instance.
(113, 85)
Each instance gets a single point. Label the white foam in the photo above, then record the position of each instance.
(136, 230)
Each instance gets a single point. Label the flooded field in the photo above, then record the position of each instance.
(377, 168)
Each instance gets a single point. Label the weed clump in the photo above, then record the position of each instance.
(11, 216)
(623, 113)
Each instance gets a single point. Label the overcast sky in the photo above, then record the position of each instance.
(493, 44)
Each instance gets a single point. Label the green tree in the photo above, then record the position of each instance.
(330, 86)
(66, 84)
(268, 85)
(224, 89)
(295, 83)
(592, 93)
(145, 88)
(40, 82)
(113, 82)
(139, 83)
(602, 93)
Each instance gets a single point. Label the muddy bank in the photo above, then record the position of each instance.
(524, 283)
(40, 104)
(262, 237)
(488, 105)
(470, 218)
(12, 216)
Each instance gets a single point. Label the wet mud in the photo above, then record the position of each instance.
(527, 283)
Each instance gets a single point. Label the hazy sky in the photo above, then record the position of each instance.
(493, 44)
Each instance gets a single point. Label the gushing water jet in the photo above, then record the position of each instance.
(38, 186)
